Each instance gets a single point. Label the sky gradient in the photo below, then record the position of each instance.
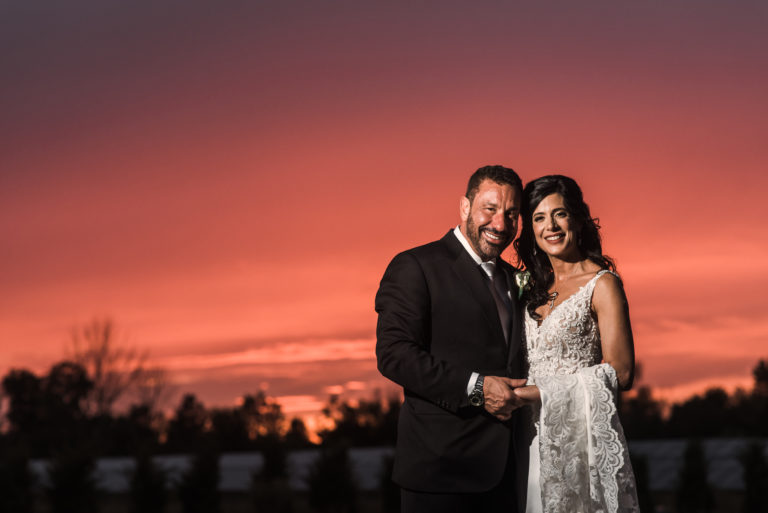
(228, 182)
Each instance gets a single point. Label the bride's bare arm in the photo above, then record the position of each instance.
(610, 306)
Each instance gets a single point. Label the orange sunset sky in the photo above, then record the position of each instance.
(228, 180)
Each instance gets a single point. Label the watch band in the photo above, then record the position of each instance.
(477, 398)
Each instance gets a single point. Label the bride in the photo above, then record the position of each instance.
(580, 352)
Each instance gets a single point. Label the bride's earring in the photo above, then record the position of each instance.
(534, 250)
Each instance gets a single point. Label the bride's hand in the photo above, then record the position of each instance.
(500, 399)
(528, 394)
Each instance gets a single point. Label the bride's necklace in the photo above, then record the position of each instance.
(552, 298)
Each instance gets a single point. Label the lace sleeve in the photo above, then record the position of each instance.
(584, 458)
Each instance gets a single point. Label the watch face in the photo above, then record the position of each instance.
(476, 399)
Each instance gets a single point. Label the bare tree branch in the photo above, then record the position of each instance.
(114, 368)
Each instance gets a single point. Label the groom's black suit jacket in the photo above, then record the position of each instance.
(438, 323)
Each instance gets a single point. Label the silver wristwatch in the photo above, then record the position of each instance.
(476, 398)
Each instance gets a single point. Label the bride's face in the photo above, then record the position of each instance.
(554, 228)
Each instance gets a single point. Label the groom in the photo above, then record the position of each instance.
(449, 332)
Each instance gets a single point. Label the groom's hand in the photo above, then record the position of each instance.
(500, 398)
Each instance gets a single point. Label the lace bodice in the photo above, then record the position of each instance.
(582, 452)
(568, 338)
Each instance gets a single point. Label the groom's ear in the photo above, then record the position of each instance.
(464, 207)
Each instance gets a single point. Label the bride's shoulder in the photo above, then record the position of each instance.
(608, 290)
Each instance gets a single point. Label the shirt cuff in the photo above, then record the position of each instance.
(472, 381)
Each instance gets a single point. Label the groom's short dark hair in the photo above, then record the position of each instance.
(498, 174)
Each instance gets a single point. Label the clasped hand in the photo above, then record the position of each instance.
(505, 395)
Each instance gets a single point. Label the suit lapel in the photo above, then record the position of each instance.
(472, 276)
(516, 327)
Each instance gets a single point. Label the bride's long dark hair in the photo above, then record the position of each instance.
(534, 259)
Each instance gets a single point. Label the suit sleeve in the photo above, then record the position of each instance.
(403, 337)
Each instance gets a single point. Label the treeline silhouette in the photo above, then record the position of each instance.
(51, 417)
(68, 417)
(45, 413)
(715, 413)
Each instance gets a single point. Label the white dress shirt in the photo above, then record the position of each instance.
(488, 270)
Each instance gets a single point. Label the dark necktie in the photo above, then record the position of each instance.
(498, 286)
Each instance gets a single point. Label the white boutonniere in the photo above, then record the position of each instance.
(522, 280)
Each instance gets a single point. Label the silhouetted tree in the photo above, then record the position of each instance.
(390, 492)
(642, 480)
(255, 422)
(149, 485)
(45, 412)
(332, 486)
(367, 423)
(143, 425)
(65, 389)
(275, 457)
(26, 410)
(271, 490)
(72, 482)
(755, 474)
(68, 384)
(16, 481)
(760, 373)
(386, 430)
(297, 436)
(230, 430)
(188, 427)
(641, 415)
(694, 494)
(199, 486)
(112, 367)
(703, 416)
(758, 405)
(265, 414)
(236, 429)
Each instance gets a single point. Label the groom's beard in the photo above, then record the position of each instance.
(486, 250)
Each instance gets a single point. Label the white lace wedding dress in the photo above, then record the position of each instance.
(578, 459)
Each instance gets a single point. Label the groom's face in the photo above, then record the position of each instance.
(489, 221)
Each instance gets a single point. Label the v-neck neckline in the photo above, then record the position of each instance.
(553, 309)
